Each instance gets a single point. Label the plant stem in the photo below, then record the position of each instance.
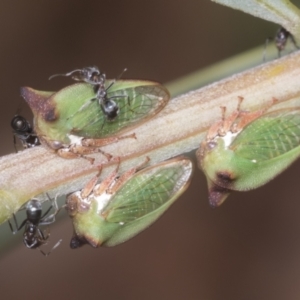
(179, 128)
(223, 69)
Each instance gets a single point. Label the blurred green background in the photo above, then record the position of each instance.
(247, 249)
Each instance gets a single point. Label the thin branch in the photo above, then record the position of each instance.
(179, 128)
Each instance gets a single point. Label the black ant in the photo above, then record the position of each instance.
(280, 40)
(96, 78)
(33, 236)
(24, 132)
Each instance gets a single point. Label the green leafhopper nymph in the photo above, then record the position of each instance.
(248, 149)
(118, 208)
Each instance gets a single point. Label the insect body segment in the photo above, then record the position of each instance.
(33, 236)
(263, 146)
(24, 132)
(118, 208)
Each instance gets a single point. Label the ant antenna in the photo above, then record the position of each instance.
(114, 80)
(125, 70)
(66, 74)
(54, 247)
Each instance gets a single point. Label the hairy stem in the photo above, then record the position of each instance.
(179, 128)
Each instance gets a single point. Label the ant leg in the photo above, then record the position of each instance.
(43, 240)
(51, 218)
(46, 212)
(41, 237)
(15, 144)
(16, 224)
(54, 247)
(18, 228)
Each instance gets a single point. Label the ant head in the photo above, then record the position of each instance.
(90, 75)
(20, 125)
(30, 240)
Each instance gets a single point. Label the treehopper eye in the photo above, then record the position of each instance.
(118, 208)
(73, 124)
(248, 149)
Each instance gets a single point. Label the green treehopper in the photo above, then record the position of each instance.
(118, 208)
(73, 124)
